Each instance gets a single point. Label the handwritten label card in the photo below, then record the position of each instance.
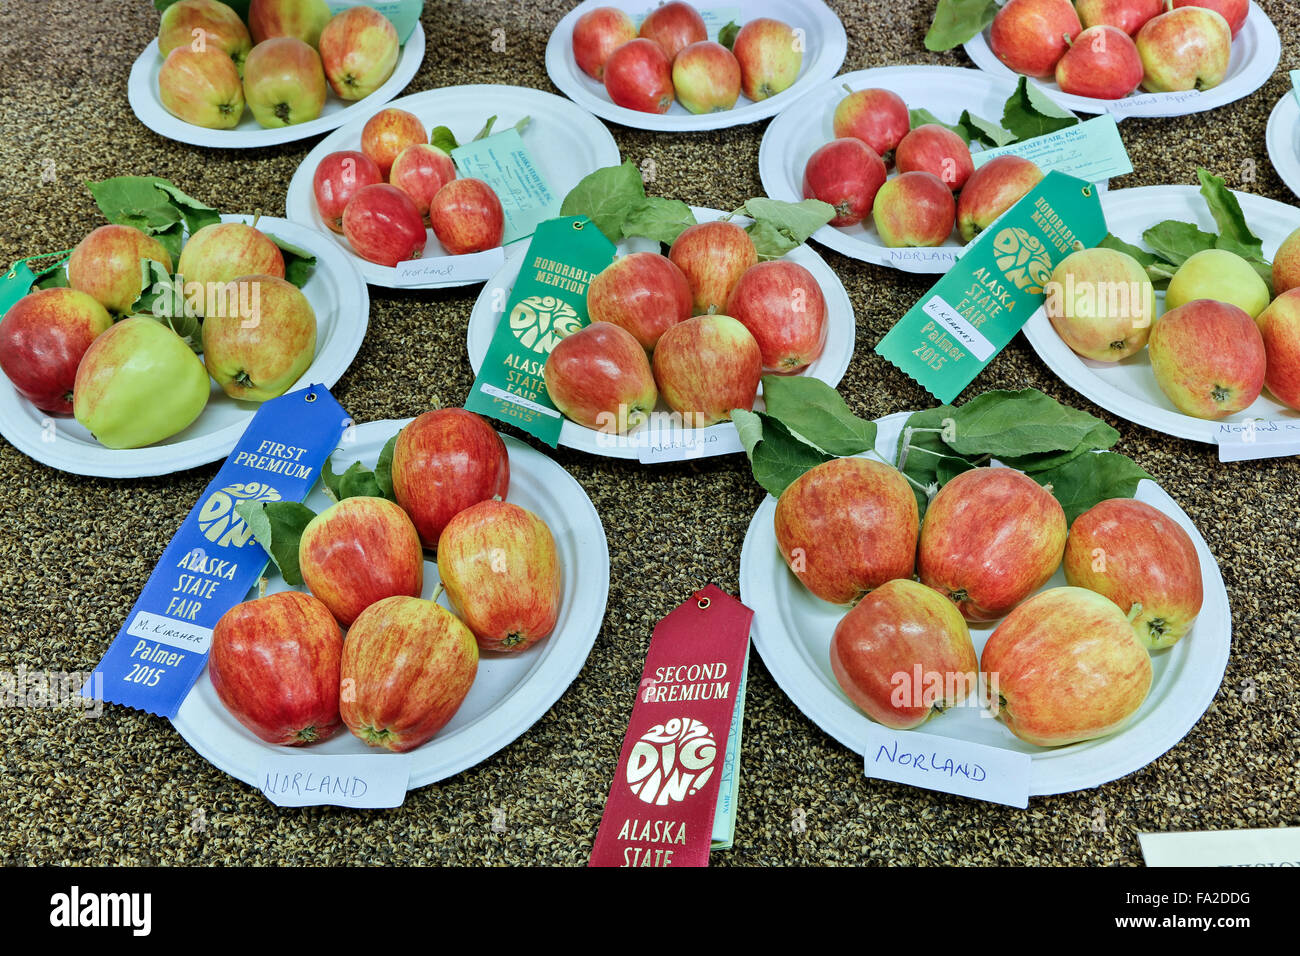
(367, 781)
(948, 765)
(655, 445)
(504, 163)
(1092, 151)
(445, 270)
(1249, 440)
(1270, 847)
(1140, 102)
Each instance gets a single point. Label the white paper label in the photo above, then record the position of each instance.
(655, 445)
(505, 396)
(1092, 150)
(1279, 847)
(1245, 441)
(368, 781)
(946, 255)
(963, 331)
(950, 766)
(1141, 102)
(444, 270)
(168, 630)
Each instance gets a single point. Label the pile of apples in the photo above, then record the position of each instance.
(129, 378)
(1106, 49)
(382, 197)
(1063, 665)
(281, 664)
(281, 64)
(671, 57)
(937, 187)
(1221, 340)
(697, 327)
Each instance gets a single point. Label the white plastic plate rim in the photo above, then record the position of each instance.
(1256, 51)
(1283, 139)
(142, 93)
(796, 133)
(462, 107)
(1187, 676)
(342, 305)
(826, 39)
(539, 675)
(1128, 388)
(830, 366)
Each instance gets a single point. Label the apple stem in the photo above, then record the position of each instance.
(328, 493)
(1069, 40)
(1134, 611)
(437, 593)
(847, 89)
(261, 586)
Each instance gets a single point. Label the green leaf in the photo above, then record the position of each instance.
(171, 239)
(443, 138)
(1010, 424)
(162, 301)
(298, 262)
(950, 466)
(1176, 241)
(1102, 436)
(922, 449)
(779, 457)
(384, 469)
(357, 481)
(923, 117)
(1028, 113)
(54, 276)
(1088, 479)
(1113, 241)
(659, 219)
(956, 21)
(153, 205)
(749, 427)
(607, 197)
(1227, 214)
(727, 35)
(196, 214)
(980, 130)
(818, 414)
(781, 226)
(278, 527)
(486, 131)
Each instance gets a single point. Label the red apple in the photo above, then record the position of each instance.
(993, 189)
(259, 356)
(1280, 325)
(783, 307)
(1234, 11)
(644, 293)
(383, 225)
(202, 87)
(1286, 264)
(106, 264)
(220, 26)
(847, 173)
(420, 171)
(444, 461)
(274, 663)
(713, 256)
(501, 570)
(389, 132)
(1141, 559)
(935, 149)
(674, 26)
(597, 34)
(1208, 358)
(770, 55)
(1029, 36)
(991, 538)
(1102, 62)
(903, 653)
(706, 366)
(846, 527)
(1066, 666)
(1184, 49)
(42, 339)
(639, 77)
(600, 378)
(225, 251)
(358, 48)
(877, 117)
(466, 216)
(1128, 15)
(360, 551)
(407, 666)
(914, 209)
(336, 181)
(706, 77)
(303, 19)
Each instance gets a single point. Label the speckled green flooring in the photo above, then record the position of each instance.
(74, 552)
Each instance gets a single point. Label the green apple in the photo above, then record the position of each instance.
(1219, 275)
(1101, 303)
(284, 84)
(258, 355)
(138, 383)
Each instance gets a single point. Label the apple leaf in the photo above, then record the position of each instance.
(749, 427)
(781, 226)
(384, 469)
(660, 219)
(950, 466)
(1102, 436)
(1089, 479)
(1227, 214)
(1029, 112)
(777, 456)
(54, 276)
(818, 414)
(980, 130)
(443, 138)
(923, 117)
(956, 21)
(1008, 424)
(727, 35)
(162, 299)
(607, 197)
(196, 214)
(298, 262)
(1176, 242)
(1113, 241)
(278, 527)
(357, 482)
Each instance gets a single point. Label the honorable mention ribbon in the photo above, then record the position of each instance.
(213, 559)
(664, 797)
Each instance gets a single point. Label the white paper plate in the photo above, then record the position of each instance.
(566, 142)
(1128, 388)
(797, 133)
(1283, 139)
(342, 306)
(142, 92)
(841, 331)
(826, 44)
(792, 631)
(1256, 51)
(510, 692)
